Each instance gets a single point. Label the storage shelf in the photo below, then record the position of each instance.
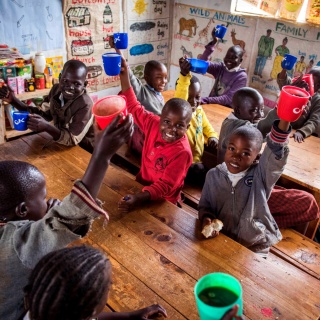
(33, 94)
(11, 133)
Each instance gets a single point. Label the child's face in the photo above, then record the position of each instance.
(36, 204)
(157, 78)
(240, 154)
(250, 109)
(173, 124)
(233, 58)
(194, 95)
(72, 82)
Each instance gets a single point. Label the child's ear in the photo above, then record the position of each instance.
(21, 210)
(256, 160)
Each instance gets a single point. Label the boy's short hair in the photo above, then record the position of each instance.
(250, 133)
(194, 79)
(176, 104)
(74, 64)
(244, 93)
(151, 65)
(17, 180)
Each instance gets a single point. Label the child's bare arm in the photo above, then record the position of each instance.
(130, 201)
(283, 125)
(39, 124)
(7, 95)
(124, 74)
(107, 142)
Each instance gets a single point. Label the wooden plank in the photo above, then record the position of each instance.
(15, 133)
(33, 94)
(190, 257)
(300, 251)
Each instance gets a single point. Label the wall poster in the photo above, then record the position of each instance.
(31, 25)
(88, 27)
(273, 40)
(147, 24)
(192, 31)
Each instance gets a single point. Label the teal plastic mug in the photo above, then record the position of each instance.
(215, 294)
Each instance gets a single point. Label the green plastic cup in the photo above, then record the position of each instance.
(221, 292)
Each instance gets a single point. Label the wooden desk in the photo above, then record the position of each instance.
(157, 252)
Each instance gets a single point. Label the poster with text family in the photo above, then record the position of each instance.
(88, 27)
(272, 41)
(147, 25)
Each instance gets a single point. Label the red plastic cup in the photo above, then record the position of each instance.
(106, 109)
(292, 102)
(308, 78)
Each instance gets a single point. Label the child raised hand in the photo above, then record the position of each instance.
(25, 217)
(185, 66)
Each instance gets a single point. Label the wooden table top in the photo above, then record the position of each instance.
(158, 253)
(303, 163)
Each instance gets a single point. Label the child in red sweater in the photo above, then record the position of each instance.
(166, 154)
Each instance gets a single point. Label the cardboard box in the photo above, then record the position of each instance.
(12, 83)
(20, 85)
(25, 72)
(9, 72)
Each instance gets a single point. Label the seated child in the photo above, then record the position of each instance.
(70, 108)
(200, 131)
(166, 154)
(80, 280)
(309, 123)
(30, 229)
(287, 211)
(229, 76)
(149, 95)
(236, 191)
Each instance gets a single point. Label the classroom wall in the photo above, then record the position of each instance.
(303, 40)
(156, 26)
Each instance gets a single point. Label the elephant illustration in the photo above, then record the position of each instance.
(188, 25)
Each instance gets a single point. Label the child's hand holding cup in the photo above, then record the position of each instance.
(288, 61)
(292, 102)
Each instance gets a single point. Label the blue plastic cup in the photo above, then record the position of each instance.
(20, 120)
(111, 63)
(198, 66)
(120, 40)
(288, 61)
(220, 31)
(211, 288)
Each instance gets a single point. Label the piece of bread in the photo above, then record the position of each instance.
(215, 225)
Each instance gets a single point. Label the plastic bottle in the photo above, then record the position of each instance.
(48, 76)
(39, 62)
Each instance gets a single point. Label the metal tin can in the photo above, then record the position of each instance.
(40, 82)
